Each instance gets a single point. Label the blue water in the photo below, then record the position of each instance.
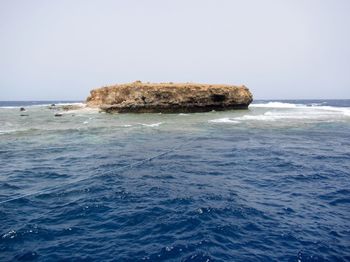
(271, 183)
(32, 103)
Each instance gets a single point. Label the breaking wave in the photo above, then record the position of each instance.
(276, 105)
(152, 125)
(224, 120)
(280, 111)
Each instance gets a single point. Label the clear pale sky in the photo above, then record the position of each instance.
(53, 50)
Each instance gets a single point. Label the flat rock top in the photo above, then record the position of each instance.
(169, 97)
(169, 85)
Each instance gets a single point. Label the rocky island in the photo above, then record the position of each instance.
(138, 97)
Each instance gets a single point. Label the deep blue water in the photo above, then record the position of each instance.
(271, 183)
(32, 103)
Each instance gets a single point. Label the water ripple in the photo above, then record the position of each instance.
(249, 191)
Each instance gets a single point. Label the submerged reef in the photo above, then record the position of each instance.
(138, 97)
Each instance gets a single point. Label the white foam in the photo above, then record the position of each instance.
(299, 111)
(314, 106)
(10, 107)
(224, 120)
(153, 125)
(344, 110)
(10, 131)
(296, 115)
(276, 105)
(287, 112)
(318, 104)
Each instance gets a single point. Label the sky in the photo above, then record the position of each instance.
(60, 50)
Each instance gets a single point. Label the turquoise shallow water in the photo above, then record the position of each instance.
(266, 184)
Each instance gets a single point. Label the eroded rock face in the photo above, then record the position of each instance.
(141, 97)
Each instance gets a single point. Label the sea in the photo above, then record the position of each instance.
(270, 183)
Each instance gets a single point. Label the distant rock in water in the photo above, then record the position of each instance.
(138, 97)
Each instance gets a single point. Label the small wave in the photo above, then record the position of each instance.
(275, 115)
(276, 105)
(10, 107)
(152, 125)
(297, 111)
(10, 234)
(10, 131)
(317, 104)
(320, 113)
(344, 110)
(313, 106)
(302, 115)
(224, 120)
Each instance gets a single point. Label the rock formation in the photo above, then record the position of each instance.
(138, 97)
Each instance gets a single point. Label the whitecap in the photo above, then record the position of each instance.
(10, 107)
(320, 114)
(316, 111)
(153, 125)
(314, 106)
(276, 105)
(224, 120)
(11, 234)
(3, 132)
(317, 104)
(344, 110)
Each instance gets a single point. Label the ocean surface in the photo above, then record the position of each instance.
(271, 183)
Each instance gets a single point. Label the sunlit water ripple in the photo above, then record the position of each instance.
(271, 183)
